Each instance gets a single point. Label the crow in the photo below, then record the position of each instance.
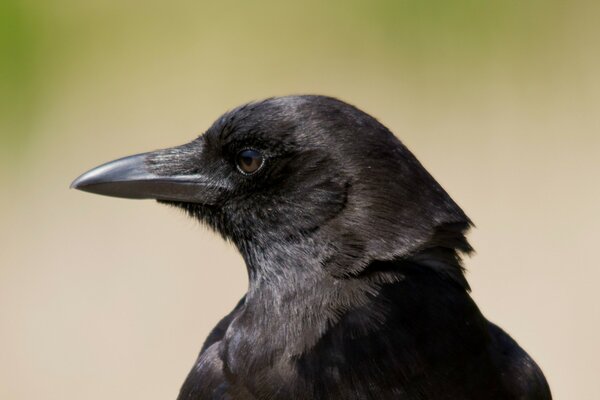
(353, 253)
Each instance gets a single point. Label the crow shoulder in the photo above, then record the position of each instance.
(219, 330)
(206, 380)
(521, 375)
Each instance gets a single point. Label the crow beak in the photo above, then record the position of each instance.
(131, 178)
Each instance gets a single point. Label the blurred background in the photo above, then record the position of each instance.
(106, 298)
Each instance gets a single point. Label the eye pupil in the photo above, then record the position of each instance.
(249, 161)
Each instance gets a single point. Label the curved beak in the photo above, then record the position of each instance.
(131, 178)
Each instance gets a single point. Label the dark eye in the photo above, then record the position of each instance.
(249, 161)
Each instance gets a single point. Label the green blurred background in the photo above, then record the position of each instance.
(105, 298)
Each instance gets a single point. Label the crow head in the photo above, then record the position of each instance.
(309, 173)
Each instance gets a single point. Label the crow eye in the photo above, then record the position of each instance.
(249, 161)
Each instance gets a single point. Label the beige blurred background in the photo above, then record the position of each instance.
(103, 298)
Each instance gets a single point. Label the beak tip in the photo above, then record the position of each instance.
(78, 183)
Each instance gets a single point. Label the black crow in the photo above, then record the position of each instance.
(356, 287)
